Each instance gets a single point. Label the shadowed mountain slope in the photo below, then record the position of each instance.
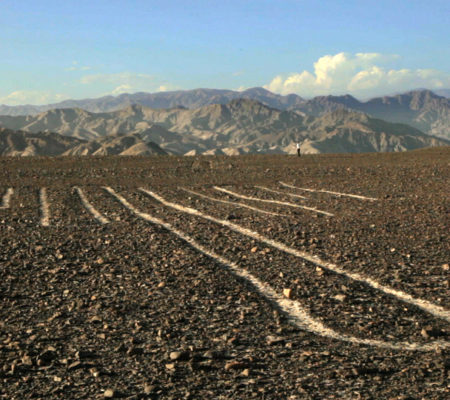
(239, 127)
(20, 143)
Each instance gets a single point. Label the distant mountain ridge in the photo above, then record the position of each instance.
(185, 98)
(242, 126)
(422, 109)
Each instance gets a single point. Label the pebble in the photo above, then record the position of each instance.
(109, 393)
(233, 365)
(179, 355)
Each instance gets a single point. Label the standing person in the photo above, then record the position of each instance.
(298, 149)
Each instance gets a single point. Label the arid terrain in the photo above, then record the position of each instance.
(214, 277)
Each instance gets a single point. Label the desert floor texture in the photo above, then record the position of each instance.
(266, 277)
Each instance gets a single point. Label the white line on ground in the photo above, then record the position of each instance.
(99, 217)
(297, 314)
(356, 196)
(284, 203)
(278, 192)
(425, 305)
(45, 214)
(234, 204)
(7, 198)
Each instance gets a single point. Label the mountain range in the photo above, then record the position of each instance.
(421, 109)
(241, 126)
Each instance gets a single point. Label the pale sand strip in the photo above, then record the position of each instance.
(242, 205)
(283, 203)
(45, 214)
(356, 196)
(99, 217)
(425, 305)
(297, 314)
(6, 198)
(278, 192)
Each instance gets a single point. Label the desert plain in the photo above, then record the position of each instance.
(214, 277)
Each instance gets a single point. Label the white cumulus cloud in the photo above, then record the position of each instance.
(35, 97)
(362, 75)
(121, 89)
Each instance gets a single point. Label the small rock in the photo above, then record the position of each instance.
(46, 357)
(148, 389)
(340, 297)
(83, 354)
(216, 355)
(179, 355)
(287, 293)
(235, 365)
(429, 331)
(272, 340)
(109, 393)
(75, 365)
(26, 360)
(170, 366)
(254, 249)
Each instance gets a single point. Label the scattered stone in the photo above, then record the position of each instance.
(273, 340)
(179, 355)
(26, 360)
(84, 354)
(340, 297)
(235, 365)
(109, 393)
(287, 293)
(75, 365)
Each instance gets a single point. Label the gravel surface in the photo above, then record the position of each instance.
(105, 304)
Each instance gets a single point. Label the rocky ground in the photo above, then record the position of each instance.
(128, 309)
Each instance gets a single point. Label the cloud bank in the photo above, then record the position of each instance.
(21, 97)
(362, 75)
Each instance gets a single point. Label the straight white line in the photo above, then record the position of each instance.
(99, 217)
(45, 214)
(278, 192)
(284, 203)
(232, 203)
(356, 196)
(6, 198)
(297, 314)
(425, 305)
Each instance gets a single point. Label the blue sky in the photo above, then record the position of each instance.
(53, 50)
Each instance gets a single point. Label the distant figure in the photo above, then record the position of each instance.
(298, 149)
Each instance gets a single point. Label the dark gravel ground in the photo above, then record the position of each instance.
(129, 310)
